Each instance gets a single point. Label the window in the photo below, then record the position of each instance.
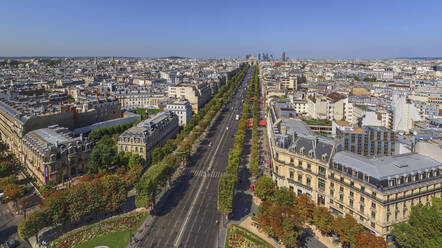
(309, 167)
(308, 181)
(373, 224)
(361, 218)
(292, 174)
(322, 171)
(351, 194)
(332, 185)
(299, 163)
(321, 184)
(341, 189)
(332, 192)
(291, 161)
(373, 214)
(373, 205)
(341, 197)
(351, 202)
(299, 178)
(362, 189)
(352, 183)
(362, 199)
(361, 208)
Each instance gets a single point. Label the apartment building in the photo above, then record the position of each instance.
(379, 192)
(366, 141)
(52, 154)
(182, 109)
(197, 94)
(139, 99)
(147, 135)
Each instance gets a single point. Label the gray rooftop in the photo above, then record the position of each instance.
(388, 166)
(50, 136)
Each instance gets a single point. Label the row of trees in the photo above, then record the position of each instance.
(96, 135)
(88, 198)
(283, 215)
(227, 182)
(165, 160)
(254, 167)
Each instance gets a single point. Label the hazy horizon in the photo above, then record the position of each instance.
(206, 29)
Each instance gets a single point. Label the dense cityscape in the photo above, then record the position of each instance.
(224, 124)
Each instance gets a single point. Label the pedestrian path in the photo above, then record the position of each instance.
(203, 173)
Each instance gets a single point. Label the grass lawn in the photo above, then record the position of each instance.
(118, 239)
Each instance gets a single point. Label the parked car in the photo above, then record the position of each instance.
(12, 243)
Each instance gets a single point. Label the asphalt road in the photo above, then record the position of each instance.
(188, 217)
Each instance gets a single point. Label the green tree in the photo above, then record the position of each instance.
(264, 188)
(323, 219)
(292, 233)
(45, 188)
(7, 169)
(135, 159)
(424, 227)
(32, 224)
(283, 197)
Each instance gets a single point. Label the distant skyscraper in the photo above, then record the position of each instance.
(259, 56)
(283, 56)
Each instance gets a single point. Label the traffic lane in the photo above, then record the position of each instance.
(194, 218)
(176, 218)
(196, 235)
(204, 229)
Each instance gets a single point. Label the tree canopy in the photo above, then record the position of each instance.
(424, 227)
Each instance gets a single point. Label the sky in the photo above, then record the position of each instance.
(369, 29)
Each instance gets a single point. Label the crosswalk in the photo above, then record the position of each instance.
(203, 173)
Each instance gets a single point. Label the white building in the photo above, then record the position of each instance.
(404, 113)
(182, 109)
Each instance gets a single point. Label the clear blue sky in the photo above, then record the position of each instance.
(221, 28)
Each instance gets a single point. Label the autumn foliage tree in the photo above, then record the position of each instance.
(304, 206)
(368, 240)
(323, 219)
(347, 228)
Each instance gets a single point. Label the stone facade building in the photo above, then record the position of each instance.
(197, 94)
(52, 154)
(147, 135)
(378, 191)
(182, 109)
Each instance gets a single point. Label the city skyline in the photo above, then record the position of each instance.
(346, 30)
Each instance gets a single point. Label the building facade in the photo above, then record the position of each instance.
(182, 109)
(147, 135)
(52, 154)
(366, 141)
(197, 94)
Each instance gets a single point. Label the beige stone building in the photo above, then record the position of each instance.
(52, 154)
(147, 135)
(197, 94)
(377, 191)
(38, 134)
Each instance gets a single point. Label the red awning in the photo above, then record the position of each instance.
(262, 123)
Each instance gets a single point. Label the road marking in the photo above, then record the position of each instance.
(203, 173)
(198, 192)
